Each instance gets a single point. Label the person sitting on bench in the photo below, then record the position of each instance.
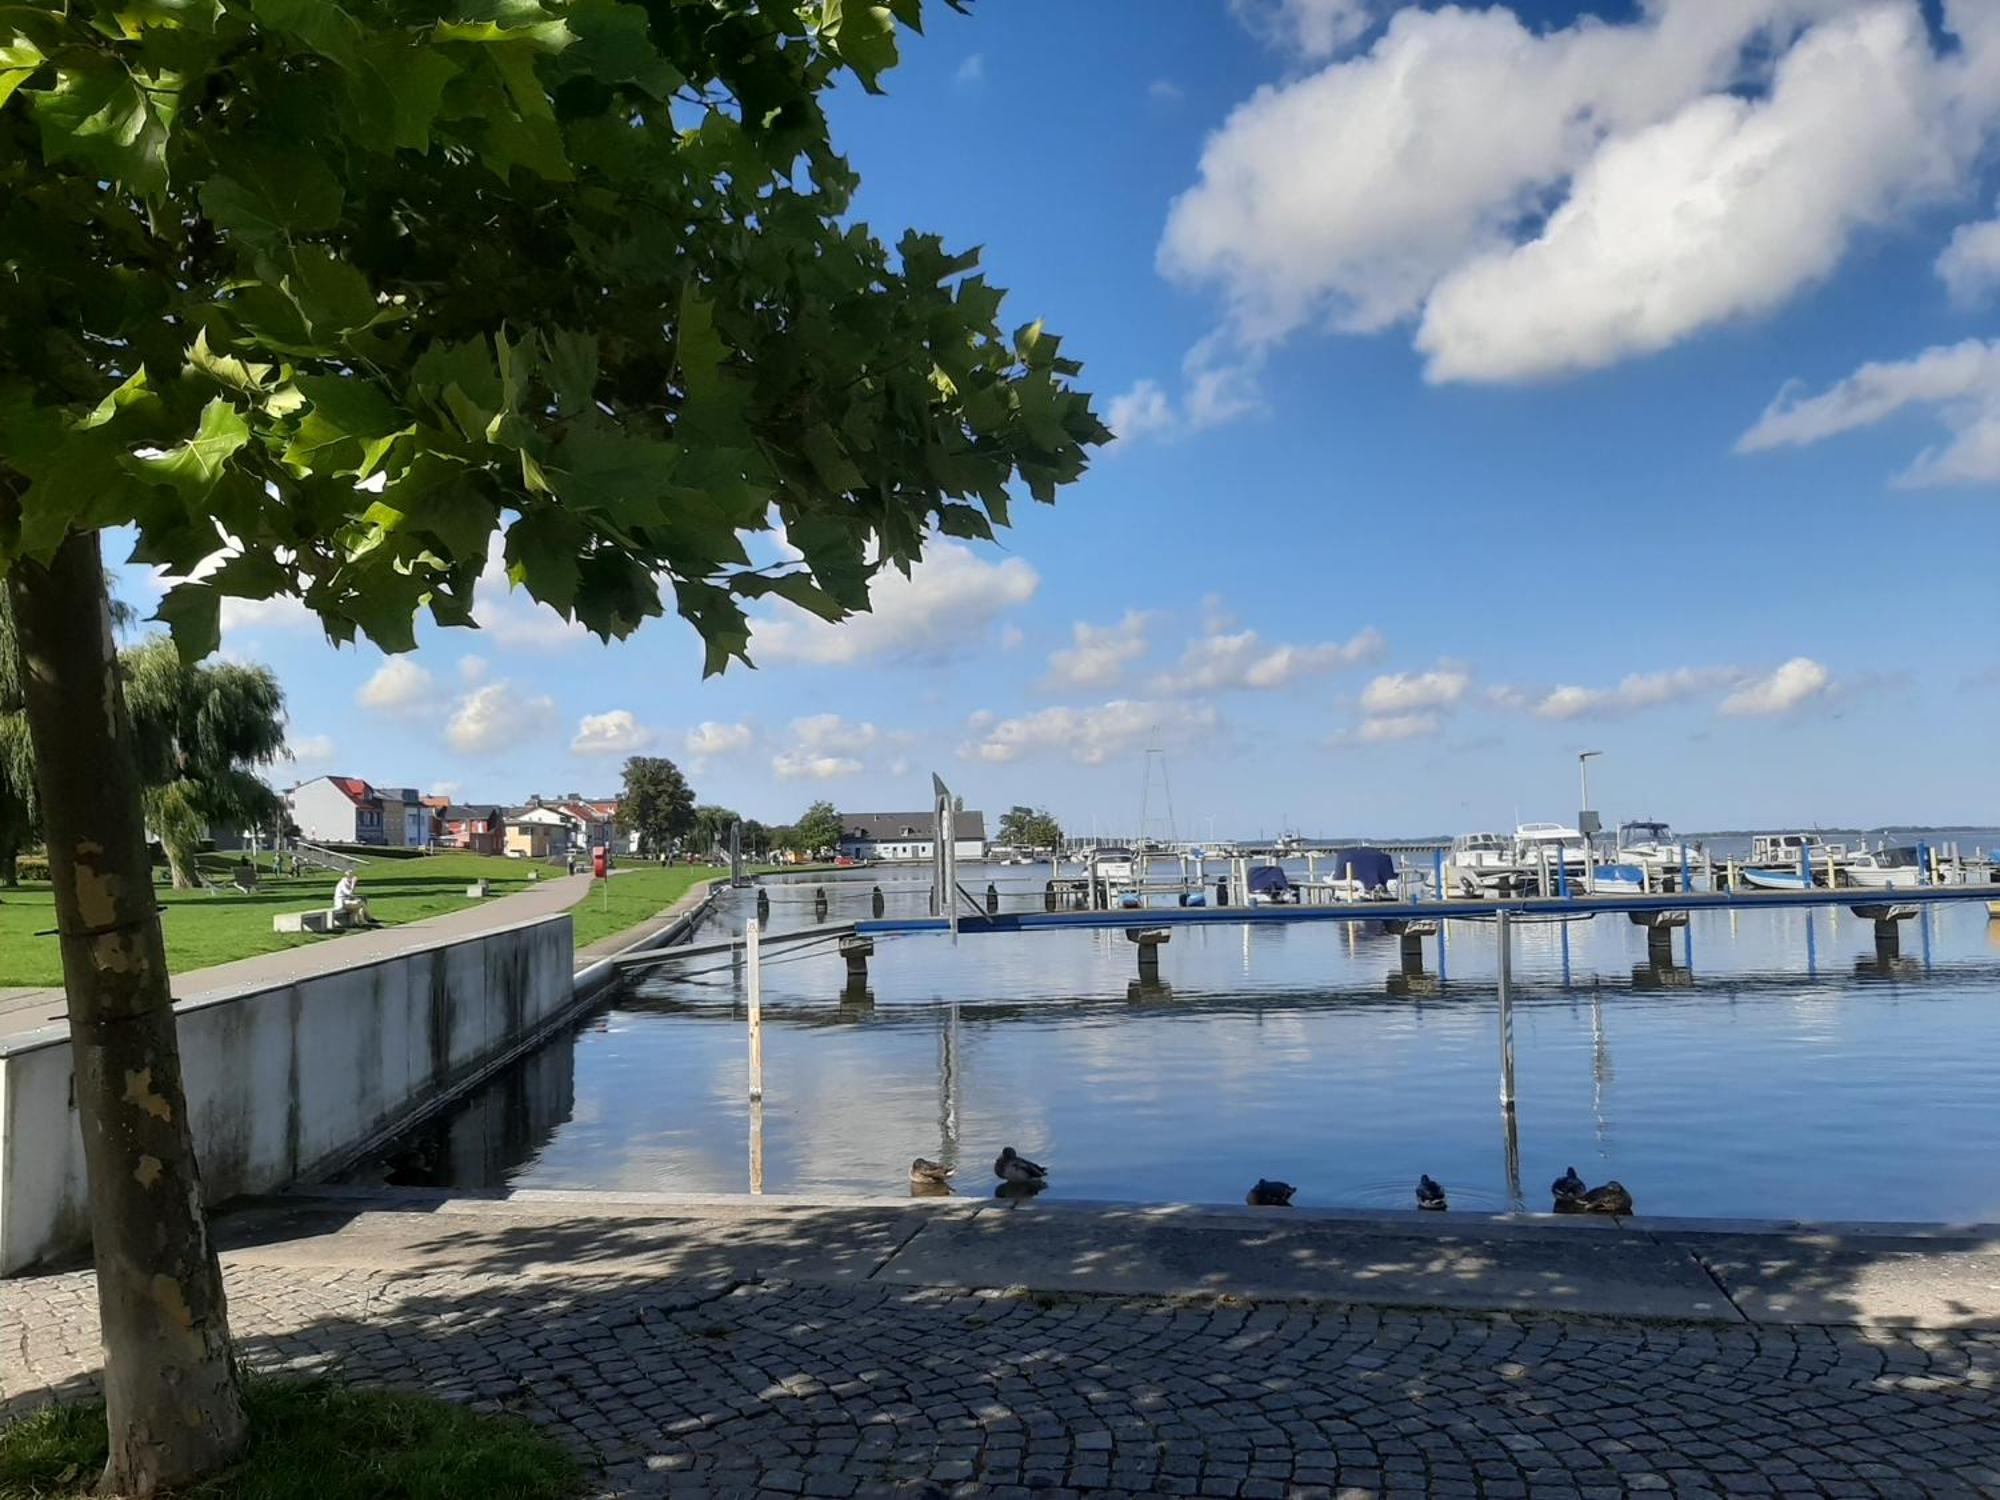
(349, 905)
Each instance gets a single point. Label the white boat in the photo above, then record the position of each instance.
(1561, 850)
(1479, 864)
(1884, 869)
(1774, 880)
(1654, 846)
(1794, 854)
(1112, 864)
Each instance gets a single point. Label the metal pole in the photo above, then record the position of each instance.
(1686, 875)
(755, 991)
(1506, 940)
(1437, 873)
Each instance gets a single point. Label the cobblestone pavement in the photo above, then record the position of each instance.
(795, 1389)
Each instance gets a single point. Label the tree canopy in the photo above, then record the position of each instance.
(1029, 828)
(327, 297)
(657, 803)
(818, 828)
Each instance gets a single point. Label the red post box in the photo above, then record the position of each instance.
(600, 861)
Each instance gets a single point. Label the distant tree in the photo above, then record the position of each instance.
(201, 732)
(657, 803)
(783, 837)
(1030, 828)
(756, 838)
(819, 829)
(711, 827)
(326, 301)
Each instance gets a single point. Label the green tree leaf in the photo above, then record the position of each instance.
(195, 467)
(265, 191)
(347, 428)
(19, 58)
(193, 612)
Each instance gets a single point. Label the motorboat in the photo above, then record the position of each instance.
(1618, 880)
(1803, 855)
(1653, 845)
(1551, 850)
(1112, 864)
(1480, 864)
(1774, 880)
(1884, 869)
(1361, 874)
(1271, 886)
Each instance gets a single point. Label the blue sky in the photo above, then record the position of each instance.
(1493, 384)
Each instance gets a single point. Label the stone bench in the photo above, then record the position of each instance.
(319, 919)
(479, 889)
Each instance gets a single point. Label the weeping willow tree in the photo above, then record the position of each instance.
(20, 818)
(201, 731)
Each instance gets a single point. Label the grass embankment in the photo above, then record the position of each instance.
(217, 926)
(633, 896)
(314, 1440)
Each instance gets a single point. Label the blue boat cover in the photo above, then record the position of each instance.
(1269, 880)
(1373, 868)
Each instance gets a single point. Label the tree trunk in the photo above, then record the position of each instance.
(10, 867)
(173, 1404)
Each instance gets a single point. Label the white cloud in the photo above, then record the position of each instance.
(1011, 636)
(471, 669)
(1390, 728)
(1553, 198)
(1165, 91)
(1141, 412)
(709, 739)
(1406, 692)
(446, 789)
(1723, 210)
(939, 611)
(1099, 654)
(1089, 735)
(1636, 690)
(1798, 681)
(280, 612)
(496, 717)
(398, 684)
(972, 70)
(799, 763)
(1221, 662)
(832, 732)
(1959, 382)
(616, 732)
(510, 616)
(316, 748)
(1313, 28)
(1970, 265)
(1219, 384)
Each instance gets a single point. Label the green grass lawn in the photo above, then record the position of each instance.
(214, 927)
(627, 900)
(315, 1440)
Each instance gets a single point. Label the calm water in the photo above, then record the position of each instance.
(1785, 1071)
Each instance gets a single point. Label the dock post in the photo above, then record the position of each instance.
(1660, 947)
(1687, 876)
(763, 904)
(875, 901)
(819, 904)
(1222, 890)
(754, 991)
(1506, 941)
(1149, 941)
(1925, 876)
(1562, 874)
(1437, 874)
(857, 951)
(992, 899)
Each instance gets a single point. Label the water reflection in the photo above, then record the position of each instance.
(1804, 1073)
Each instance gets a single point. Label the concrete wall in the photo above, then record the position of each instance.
(284, 1083)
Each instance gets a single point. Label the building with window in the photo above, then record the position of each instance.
(337, 810)
(907, 836)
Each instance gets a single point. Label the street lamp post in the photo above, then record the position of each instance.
(1586, 821)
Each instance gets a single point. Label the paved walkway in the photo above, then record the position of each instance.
(738, 1347)
(24, 1011)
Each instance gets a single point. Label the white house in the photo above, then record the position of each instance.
(912, 836)
(338, 810)
(539, 833)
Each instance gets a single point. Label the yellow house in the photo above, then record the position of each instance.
(538, 833)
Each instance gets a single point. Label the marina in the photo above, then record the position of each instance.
(1772, 1059)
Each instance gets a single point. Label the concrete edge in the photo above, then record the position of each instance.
(1402, 1223)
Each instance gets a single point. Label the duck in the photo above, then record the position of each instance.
(1430, 1194)
(1568, 1190)
(927, 1173)
(1610, 1198)
(1011, 1166)
(1269, 1194)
